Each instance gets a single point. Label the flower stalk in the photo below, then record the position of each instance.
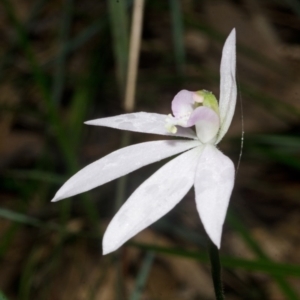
(216, 271)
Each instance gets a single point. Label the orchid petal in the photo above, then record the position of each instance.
(213, 186)
(119, 163)
(207, 123)
(152, 199)
(142, 122)
(228, 90)
(182, 103)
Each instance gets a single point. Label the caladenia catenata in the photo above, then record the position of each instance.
(201, 165)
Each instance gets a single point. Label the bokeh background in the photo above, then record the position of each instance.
(64, 62)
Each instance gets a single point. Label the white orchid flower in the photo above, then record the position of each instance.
(201, 164)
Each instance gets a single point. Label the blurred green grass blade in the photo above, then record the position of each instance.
(118, 18)
(40, 79)
(282, 283)
(282, 149)
(264, 266)
(178, 35)
(36, 175)
(286, 142)
(7, 237)
(245, 234)
(8, 57)
(27, 277)
(276, 269)
(279, 107)
(41, 82)
(23, 219)
(18, 217)
(143, 275)
(216, 35)
(285, 287)
(87, 90)
(81, 39)
(294, 5)
(78, 111)
(177, 230)
(84, 36)
(60, 65)
(278, 156)
(2, 296)
(58, 87)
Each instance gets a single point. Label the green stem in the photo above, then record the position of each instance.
(216, 270)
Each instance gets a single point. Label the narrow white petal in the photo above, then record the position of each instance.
(142, 122)
(153, 199)
(119, 163)
(228, 90)
(213, 186)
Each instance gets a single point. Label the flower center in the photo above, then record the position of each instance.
(184, 106)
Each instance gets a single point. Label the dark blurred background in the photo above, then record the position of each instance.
(64, 62)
